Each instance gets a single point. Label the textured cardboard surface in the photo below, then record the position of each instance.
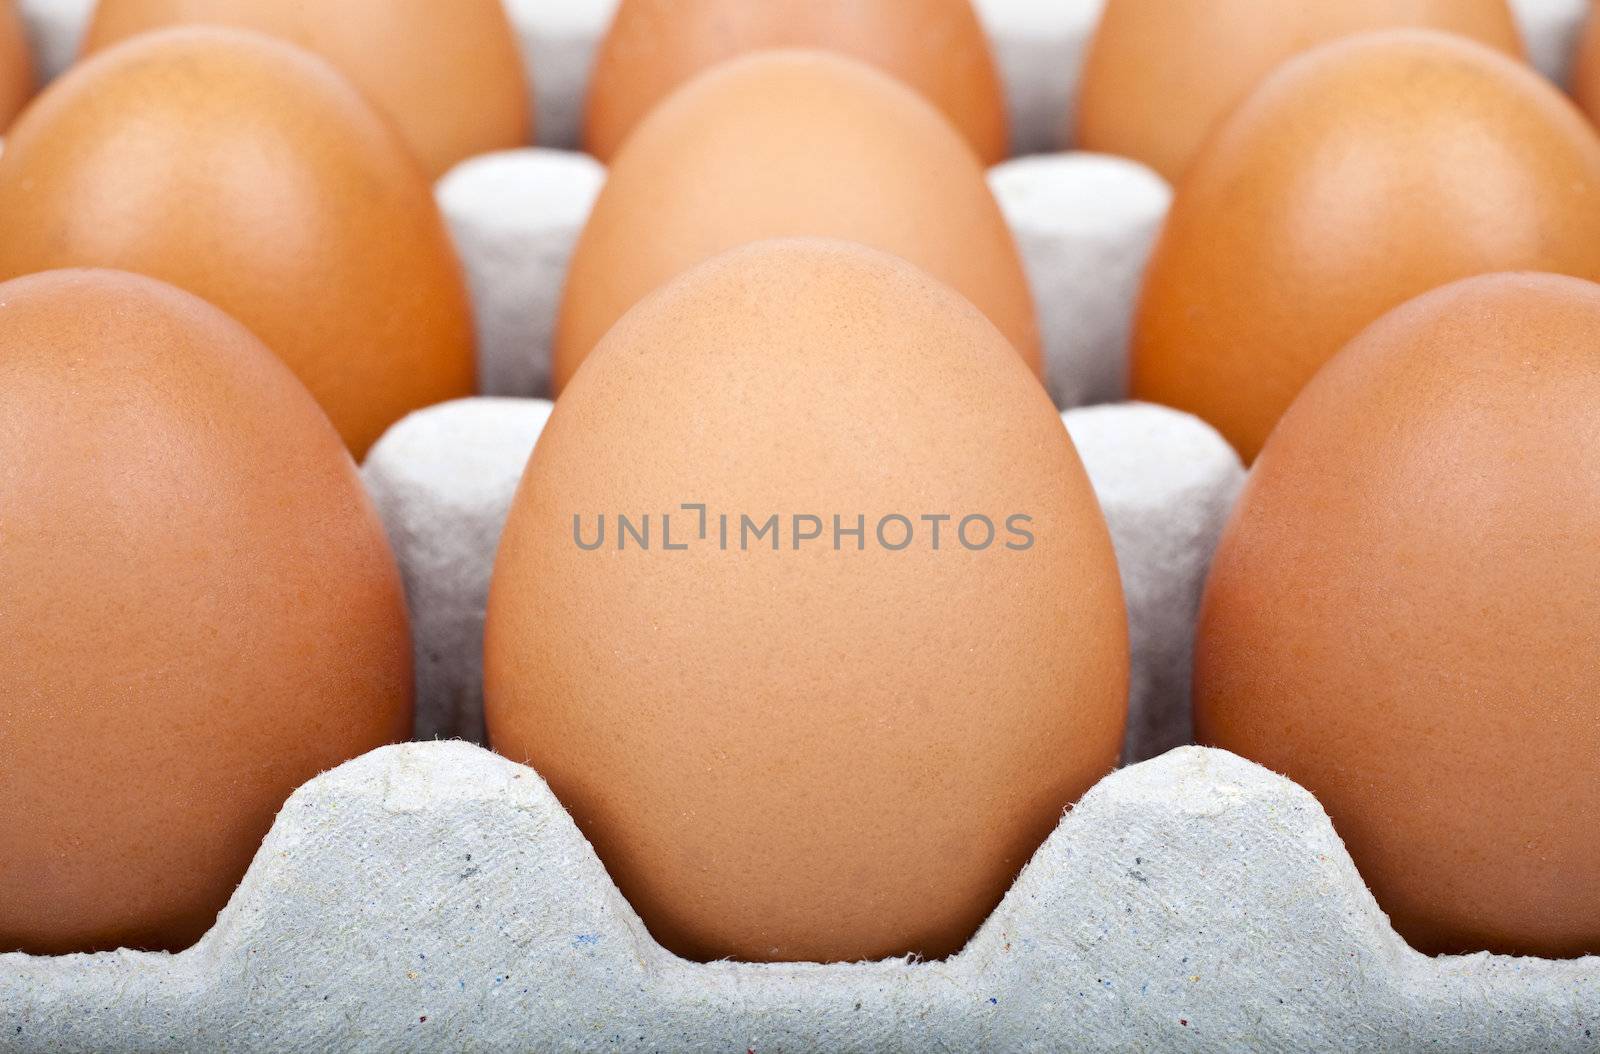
(1167, 483)
(1040, 46)
(436, 897)
(1085, 225)
(515, 217)
(443, 480)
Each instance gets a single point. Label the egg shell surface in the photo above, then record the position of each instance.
(938, 47)
(791, 144)
(808, 745)
(449, 75)
(17, 76)
(201, 610)
(1358, 176)
(1401, 616)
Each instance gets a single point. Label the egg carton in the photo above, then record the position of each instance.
(1038, 44)
(434, 896)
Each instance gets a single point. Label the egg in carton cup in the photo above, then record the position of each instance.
(435, 895)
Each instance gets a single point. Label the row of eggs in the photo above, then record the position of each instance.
(800, 752)
(839, 187)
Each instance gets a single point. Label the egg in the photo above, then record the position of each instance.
(806, 611)
(790, 144)
(1158, 77)
(1358, 176)
(1402, 613)
(449, 75)
(250, 173)
(1586, 67)
(201, 609)
(938, 47)
(16, 64)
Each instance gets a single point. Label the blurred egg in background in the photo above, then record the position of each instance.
(249, 172)
(17, 76)
(1401, 616)
(1160, 74)
(938, 47)
(1586, 67)
(448, 74)
(791, 144)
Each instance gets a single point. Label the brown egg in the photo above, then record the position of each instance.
(783, 144)
(1158, 77)
(1586, 67)
(1402, 614)
(250, 173)
(938, 47)
(1360, 175)
(449, 74)
(201, 610)
(16, 65)
(803, 742)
